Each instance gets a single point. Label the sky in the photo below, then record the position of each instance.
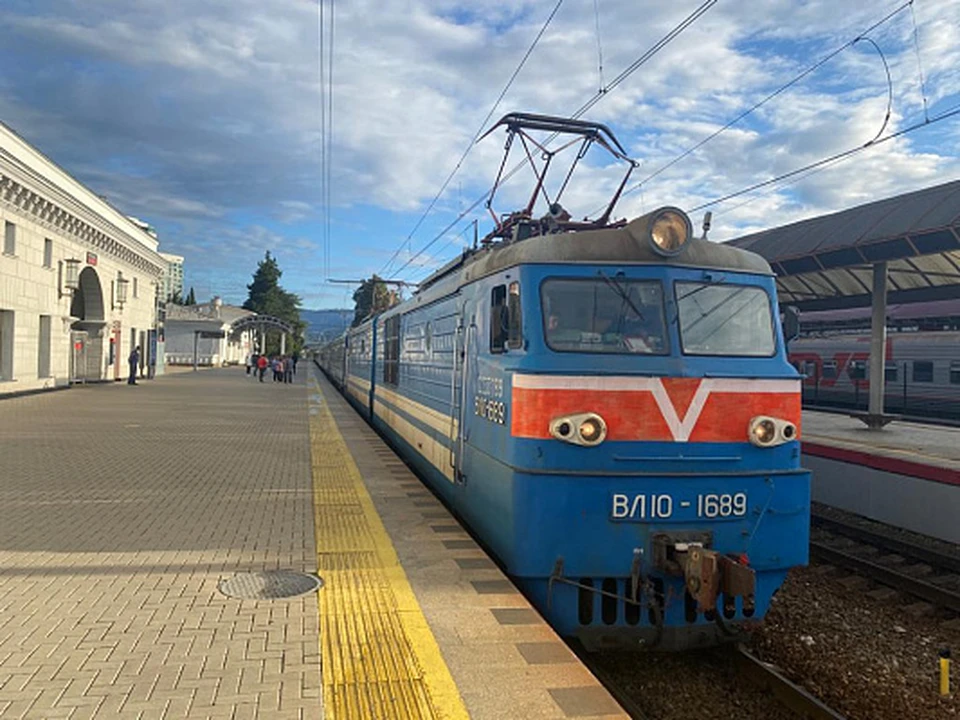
(212, 119)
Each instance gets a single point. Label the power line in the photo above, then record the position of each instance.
(596, 17)
(832, 158)
(476, 135)
(779, 91)
(626, 73)
(329, 183)
(321, 72)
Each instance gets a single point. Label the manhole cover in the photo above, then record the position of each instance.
(269, 585)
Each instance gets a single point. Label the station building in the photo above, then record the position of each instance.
(79, 281)
(206, 334)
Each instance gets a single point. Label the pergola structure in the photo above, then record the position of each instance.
(261, 323)
(903, 249)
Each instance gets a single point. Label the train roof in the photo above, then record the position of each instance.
(625, 243)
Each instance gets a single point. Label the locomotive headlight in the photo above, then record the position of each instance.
(592, 430)
(670, 230)
(586, 429)
(768, 431)
(666, 231)
(763, 431)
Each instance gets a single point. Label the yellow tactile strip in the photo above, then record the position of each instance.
(379, 657)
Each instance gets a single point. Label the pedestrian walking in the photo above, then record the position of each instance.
(249, 362)
(296, 359)
(277, 369)
(134, 361)
(288, 368)
(262, 366)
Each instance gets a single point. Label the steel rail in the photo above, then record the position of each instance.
(928, 555)
(884, 575)
(788, 693)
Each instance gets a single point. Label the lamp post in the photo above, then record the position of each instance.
(122, 284)
(70, 278)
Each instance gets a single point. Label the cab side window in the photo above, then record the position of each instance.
(506, 326)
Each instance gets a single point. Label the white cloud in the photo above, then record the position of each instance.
(204, 117)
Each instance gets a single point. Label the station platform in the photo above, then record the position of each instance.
(124, 509)
(906, 475)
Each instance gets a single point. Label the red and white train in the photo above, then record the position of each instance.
(922, 371)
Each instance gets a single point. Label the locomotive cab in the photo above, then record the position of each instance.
(647, 439)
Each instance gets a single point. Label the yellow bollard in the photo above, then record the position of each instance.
(945, 671)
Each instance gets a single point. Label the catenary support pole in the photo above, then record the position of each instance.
(878, 343)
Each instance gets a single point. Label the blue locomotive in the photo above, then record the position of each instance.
(609, 407)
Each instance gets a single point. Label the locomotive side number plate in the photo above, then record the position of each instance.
(641, 508)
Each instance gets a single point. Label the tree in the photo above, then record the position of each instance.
(267, 297)
(191, 298)
(370, 298)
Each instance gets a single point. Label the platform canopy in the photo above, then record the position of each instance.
(825, 263)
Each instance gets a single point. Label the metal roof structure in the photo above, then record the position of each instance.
(825, 263)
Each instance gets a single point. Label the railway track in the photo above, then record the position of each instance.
(765, 678)
(910, 567)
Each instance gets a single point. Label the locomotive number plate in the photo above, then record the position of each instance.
(641, 508)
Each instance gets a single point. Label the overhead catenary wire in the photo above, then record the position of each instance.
(597, 97)
(476, 135)
(596, 17)
(916, 47)
(952, 112)
(329, 182)
(321, 91)
(779, 91)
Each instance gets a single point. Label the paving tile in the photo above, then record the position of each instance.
(516, 616)
(585, 701)
(546, 653)
(120, 510)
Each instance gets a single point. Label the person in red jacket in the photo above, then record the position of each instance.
(262, 366)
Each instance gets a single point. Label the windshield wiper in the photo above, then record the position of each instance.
(624, 295)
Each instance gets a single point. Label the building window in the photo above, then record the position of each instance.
(47, 252)
(955, 372)
(6, 344)
(9, 238)
(136, 288)
(391, 350)
(43, 350)
(922, 371)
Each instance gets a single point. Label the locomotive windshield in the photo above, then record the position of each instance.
(605, 315)
(724, 320)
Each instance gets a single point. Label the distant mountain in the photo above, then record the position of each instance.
(329, 323)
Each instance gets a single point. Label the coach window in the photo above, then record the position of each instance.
(922, 371)
(391, 350)
(830, 370)
(857, 370)
(890, 372)
(955, 372)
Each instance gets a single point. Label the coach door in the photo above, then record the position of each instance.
(463, 370)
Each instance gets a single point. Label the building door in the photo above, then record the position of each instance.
(78, 356)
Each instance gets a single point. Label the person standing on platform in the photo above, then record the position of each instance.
(134, 361)
(262, 366)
